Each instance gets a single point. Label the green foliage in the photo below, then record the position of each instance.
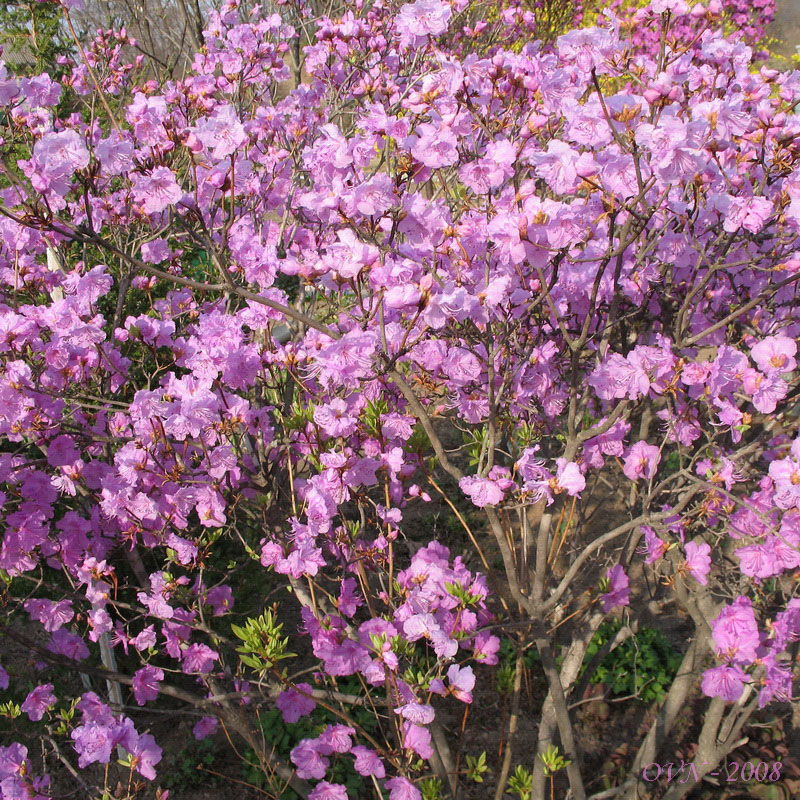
(521, 783)
(372, 415)
(431, 789)
(645, 664)
(182, 774)
(476, 767)
(507, 668)
(262, 644)
(553, 761)
(475, 443)
(419, 442)
(10, 709)
(34, 32)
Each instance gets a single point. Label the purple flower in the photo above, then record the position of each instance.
(735, 631)
(145, 683)
(619, 593)
(787, 625)
(775, 354)
(485, 648)
(655, 546)
(337, 738)
(156, 191)
(220, 598)
(64, 151)
(423, 17)
(786, 474)
(562, 167)
(3, 679)
(52, 615)
(726, 682)
(145, 754)
(641, 461)
(760, 560)
(294, 705)
(481, 491)
(777, 683)
(328, 791)
(145, 639)
(68, 644)
(334, 418)
(750, 213)
(416, 712)
(418, 739)
(461, 682)
(222, 133)
(205, 727)
(698, 560)
(93, 743)
(367, 762)
(569, 477)
(402, 789)
(199, 658)
(308, 760)
(38, 701)
(155, 251)
(435, 146)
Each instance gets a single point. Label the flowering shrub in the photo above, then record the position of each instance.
(240, 335)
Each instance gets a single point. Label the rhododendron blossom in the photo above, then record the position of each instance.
(380, 348)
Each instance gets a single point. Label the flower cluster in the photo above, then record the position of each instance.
(243, 327)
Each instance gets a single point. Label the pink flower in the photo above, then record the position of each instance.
(481, 491)
(145, 683)
(655, 546)
(222, 133)
(619, 593)
(145, 754)
(402, 789)
(367, 762)
(416, 712)
(308, 760)
(146, 639)
(750, 213)
(198, 658)
(434, 146)
(334, 418)
(775, 354)
(786, 474)
(726, 682)
(52, 615)
(641, 461)
(423, 17)
(461, 682)
(735, 631)
(68, 644)
(205, 727)
(760, 560)
(562, 167)
(698, 560)
(569, 477)
(337, 738)
(38, 701)
(328, 791)
(156, 191)
(294, 705)
(418, 739)
(767, 390)
(155, 251)
(61, 151)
